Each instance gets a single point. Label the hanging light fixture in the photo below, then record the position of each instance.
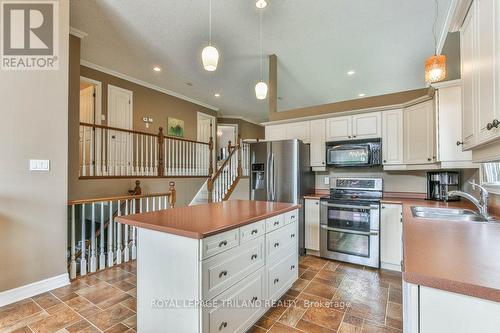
(261, 4)
(435, 66)
(210, 55)
(261, 86)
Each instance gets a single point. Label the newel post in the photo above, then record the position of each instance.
(239, 147)
(136, 191)
(161, 158)
(173, 194)
(210, 184)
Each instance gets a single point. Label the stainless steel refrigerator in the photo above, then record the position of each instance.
(280, 171)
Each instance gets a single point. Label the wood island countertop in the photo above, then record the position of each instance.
(205, 220)
(460, 257)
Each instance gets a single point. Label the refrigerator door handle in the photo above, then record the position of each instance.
(268, 176)
(273, 181)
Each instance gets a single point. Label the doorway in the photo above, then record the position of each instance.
(226, 134)
(206, 127)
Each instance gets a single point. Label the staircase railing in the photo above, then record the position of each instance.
(105, 242)
(115, 152)
(221, 185)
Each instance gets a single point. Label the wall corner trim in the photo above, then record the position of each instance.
(17, 294)
(144, 84)
(77, 33)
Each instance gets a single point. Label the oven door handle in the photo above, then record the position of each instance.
(371, 233)
(324, 203)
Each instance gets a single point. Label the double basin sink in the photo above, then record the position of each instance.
(450, 214)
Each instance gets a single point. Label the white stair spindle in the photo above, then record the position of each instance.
(134, 232)
(119, 236)
(84, 152)
(83, 260)
(154, 204)
(98, 151)
(141, 158)
(110, 236)
(93, 257)
(165, 170)
(126, 249)
(151, 163)
(102, 254)
(147, 204)
(72, 267)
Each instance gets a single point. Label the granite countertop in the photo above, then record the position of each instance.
(205, 220)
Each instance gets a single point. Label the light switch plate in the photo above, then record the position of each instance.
(327, 180)
(39, 165)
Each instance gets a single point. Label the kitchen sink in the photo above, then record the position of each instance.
(451, 214)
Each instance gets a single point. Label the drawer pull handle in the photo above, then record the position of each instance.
(276, 280)
(222, 325)
(223, 243)
(276, 222)
(292, 217)
(254, 256)
(292, 267)
(292, 235)
(254, 231)
(254, 299)
(221, 274)
(276, 244)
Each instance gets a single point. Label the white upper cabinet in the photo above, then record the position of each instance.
(299, 130)
(419, 134)
(275, 132)
(318, 152)
(339, 128)
(392, 137)
(367, 125)
(449, 108)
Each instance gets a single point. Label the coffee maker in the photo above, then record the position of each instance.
(439, 183)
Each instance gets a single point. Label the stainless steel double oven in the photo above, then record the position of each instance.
(350, 221)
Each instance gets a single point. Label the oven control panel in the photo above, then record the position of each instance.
(357, 183)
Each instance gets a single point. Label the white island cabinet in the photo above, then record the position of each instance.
(202, 269)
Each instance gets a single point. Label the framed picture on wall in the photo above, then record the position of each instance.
(175, 127)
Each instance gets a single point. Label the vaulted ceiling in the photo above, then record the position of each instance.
(317, 42)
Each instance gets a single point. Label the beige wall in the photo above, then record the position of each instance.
(246, 129)
(33, 105)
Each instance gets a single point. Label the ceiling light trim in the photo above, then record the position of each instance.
(145, 84)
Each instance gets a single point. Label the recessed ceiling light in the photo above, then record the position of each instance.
(189, 84)
(351, 72)
(362, 95)
(157, 69)
(217, 95)
(261, 4)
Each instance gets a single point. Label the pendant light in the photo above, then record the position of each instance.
(261, 86)
(210, 55)
(435, 66)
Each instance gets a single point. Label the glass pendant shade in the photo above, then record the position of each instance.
(210, 58)
(435, 68)
(261, 90)
(261, 4)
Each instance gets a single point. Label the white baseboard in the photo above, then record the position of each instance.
(392, 267)
(13, 295)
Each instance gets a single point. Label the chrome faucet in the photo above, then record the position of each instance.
(481, 204)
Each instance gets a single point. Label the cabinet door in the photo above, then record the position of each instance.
(367, 126)
(275, 132)
(487, 112)
(391, 233)
(469, 85)
(449, 108)
(419, 134)
(392, 137)
(318, 153)
(299, 130)
(311, 220)
(339, 128)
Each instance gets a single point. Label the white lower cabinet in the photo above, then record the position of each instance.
(311, 221)
(391, 236)
(281, 273)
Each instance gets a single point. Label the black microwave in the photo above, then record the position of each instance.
(359, 153)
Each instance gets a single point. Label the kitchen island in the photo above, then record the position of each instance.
(215, 267)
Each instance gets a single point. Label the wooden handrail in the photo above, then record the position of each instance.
(116, 198)
(139, 132)
(237, 147)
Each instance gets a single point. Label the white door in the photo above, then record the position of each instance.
(367, 126)
(338, 128)
(206, 128)
(391, 233)
(392, 137)
(87, 115)
(317, 154)
(120, 115)
(419, 134)
(298, 130)
(275, 132)
(311, 221)
(468, 56)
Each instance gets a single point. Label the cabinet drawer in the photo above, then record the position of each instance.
(282, 274)
(252, 231)
(225, 269)
(281, 239)
(292, 216)
(219, 243)
(275, 222)
(225, 317)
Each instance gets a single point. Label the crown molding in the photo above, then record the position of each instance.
(77, 33)
(446, 84)
(145, 84)
(459, 10)
(240, 118)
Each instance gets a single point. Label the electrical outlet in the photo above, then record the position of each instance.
(327, 180)
(39, 165)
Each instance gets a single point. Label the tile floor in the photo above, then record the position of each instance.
(328, 297)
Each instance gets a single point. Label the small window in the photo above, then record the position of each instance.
(490, 176)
